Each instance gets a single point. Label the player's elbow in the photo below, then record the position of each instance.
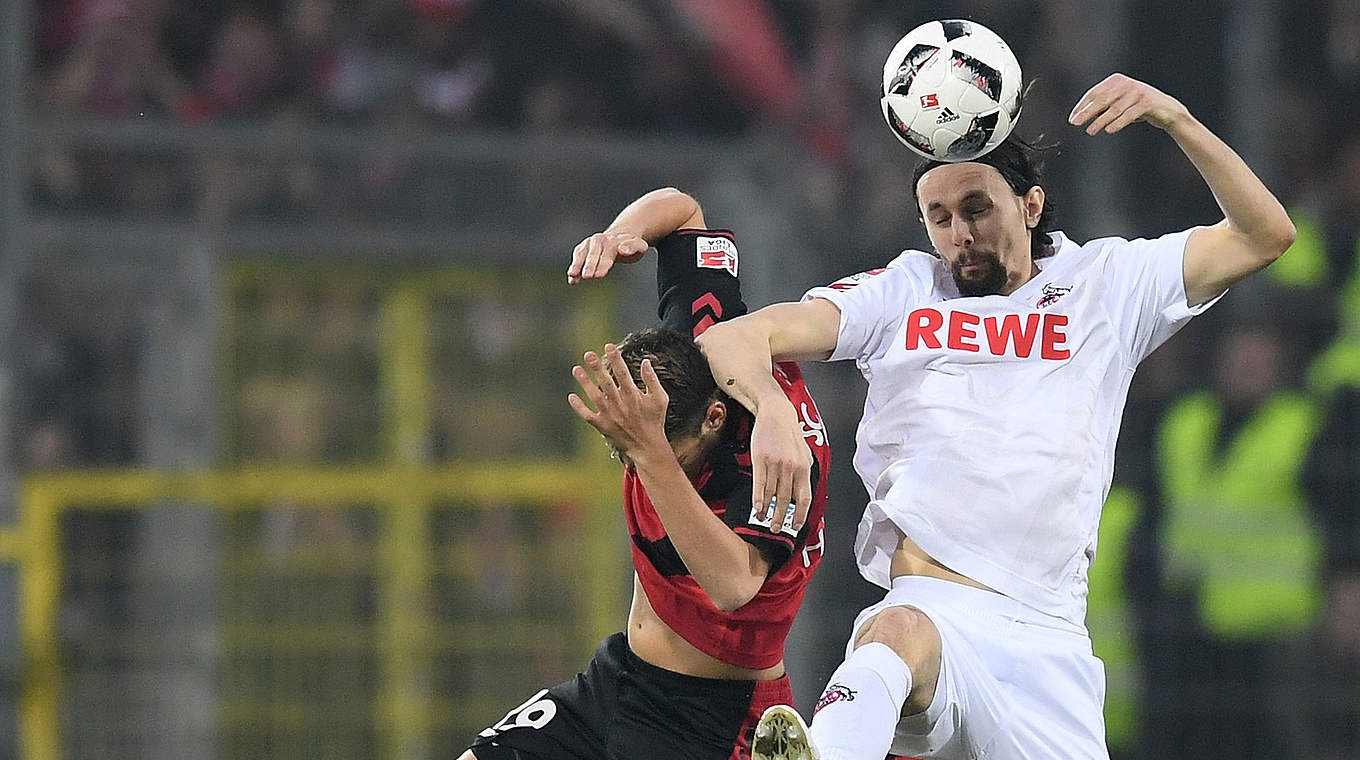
(728, 603)
(675, 193)
(1280, 237)
(733, 598)
(736, 589)
(1264, 241)
(728, 339)
(687, 206)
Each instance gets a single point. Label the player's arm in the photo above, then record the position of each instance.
(1255, 230)
(741, 353)
(696, 270)
(637, 227)
(730, 569)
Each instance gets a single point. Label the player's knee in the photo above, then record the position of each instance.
(467, 755)
(907, 630)
(911, 634)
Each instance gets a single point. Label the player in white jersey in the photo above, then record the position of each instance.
(997, 368)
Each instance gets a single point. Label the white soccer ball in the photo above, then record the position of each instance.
(951, 90)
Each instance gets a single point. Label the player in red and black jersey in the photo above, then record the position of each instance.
(716, 587)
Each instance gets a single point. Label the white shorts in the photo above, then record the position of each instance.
(1015, 684)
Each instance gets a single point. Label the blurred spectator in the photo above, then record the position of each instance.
(1239, 547)
(114, 65)
(110, 64)
(79, 382)
(1332, 481)
(244, 75)
(1332, 478)
(323, 69)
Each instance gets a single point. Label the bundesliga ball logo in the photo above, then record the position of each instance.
(951, 90)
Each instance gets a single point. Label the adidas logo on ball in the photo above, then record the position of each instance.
(946, 116)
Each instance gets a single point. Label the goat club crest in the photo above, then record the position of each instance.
(835, 693)
(1051, 294)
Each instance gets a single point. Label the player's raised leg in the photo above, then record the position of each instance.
(892, 671)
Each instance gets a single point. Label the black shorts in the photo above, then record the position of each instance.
(621, 708)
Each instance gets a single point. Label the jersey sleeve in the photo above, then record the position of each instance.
(871, 306)
(1145, 287)
(696, 280)
(776, 546)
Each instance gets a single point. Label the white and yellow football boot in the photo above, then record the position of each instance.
(781, 734)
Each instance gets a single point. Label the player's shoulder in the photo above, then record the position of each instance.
(1065, 248)
(1096, 246)
(911, 267)
(1120, 257)
(918, 263)
(1110, 244)
(926, 274)
(1073, 256)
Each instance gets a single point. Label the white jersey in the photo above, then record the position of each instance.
(989, 428)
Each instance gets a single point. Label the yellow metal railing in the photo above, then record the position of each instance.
(403, 634)
(405, 489)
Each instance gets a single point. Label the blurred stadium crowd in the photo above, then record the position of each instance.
(1255, 407)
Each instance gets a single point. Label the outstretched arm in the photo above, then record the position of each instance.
(741, 353)
(639, 225)
(1255, 229)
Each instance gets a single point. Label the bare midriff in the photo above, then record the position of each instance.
(910, 559)
(656, 643)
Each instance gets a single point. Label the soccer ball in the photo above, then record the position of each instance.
(951, 90)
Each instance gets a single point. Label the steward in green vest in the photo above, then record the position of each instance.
(1237, 529)
(1241, 554)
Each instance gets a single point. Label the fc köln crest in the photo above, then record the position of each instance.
(1051, 294)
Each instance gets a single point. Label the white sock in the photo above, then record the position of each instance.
(858, 712)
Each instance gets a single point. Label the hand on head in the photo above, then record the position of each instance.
(628, 416)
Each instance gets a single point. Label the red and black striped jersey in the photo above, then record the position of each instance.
(698, 284)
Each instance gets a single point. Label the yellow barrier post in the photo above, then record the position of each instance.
(39, 605)
(404, 549)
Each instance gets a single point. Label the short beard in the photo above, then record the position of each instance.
(988, 282)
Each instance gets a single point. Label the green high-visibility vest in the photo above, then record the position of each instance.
(1110, 620)
(1237, 528)
(1305, 265)
(1337, 366)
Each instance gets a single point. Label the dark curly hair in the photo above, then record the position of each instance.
(1021, 164)
(683, 372)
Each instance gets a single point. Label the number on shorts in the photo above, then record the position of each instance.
(534, 713)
